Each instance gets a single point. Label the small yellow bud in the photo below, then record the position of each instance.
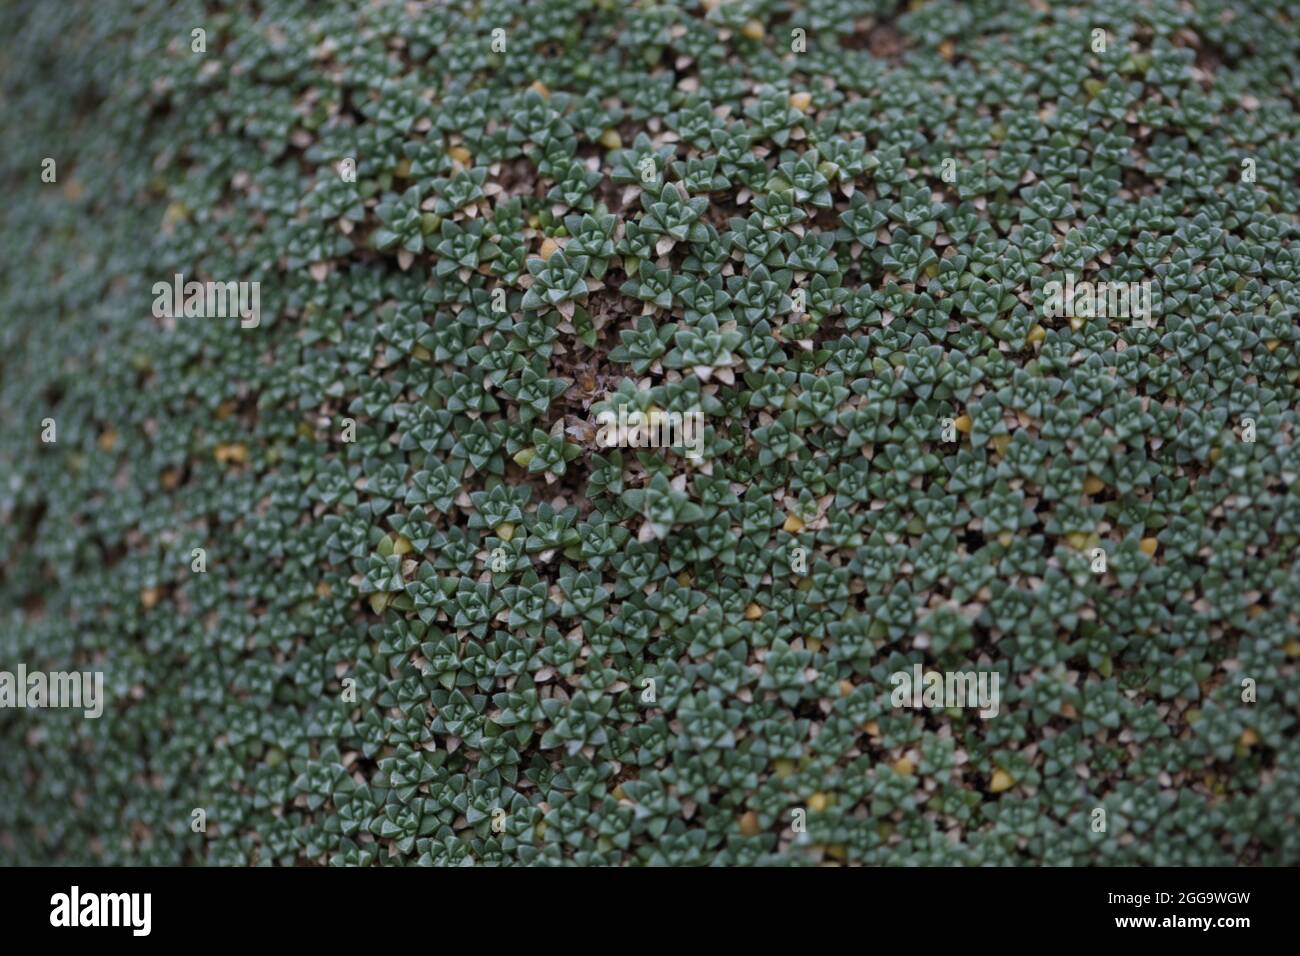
(793, 524)
(549, 248)
(1001, 781)
(231, 452)
(818, 802)
(904, 766)
(174, 213)
(611, 140)
(753, 612)
(753, 30)
(801, 101)
(1148, 546)
(1092, 484)
(505, 530)
(749, 823)
(963, 424)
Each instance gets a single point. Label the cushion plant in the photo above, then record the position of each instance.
(365, 588)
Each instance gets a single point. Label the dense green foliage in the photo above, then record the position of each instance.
(472, 612)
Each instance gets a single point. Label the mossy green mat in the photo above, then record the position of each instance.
(364, 581)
